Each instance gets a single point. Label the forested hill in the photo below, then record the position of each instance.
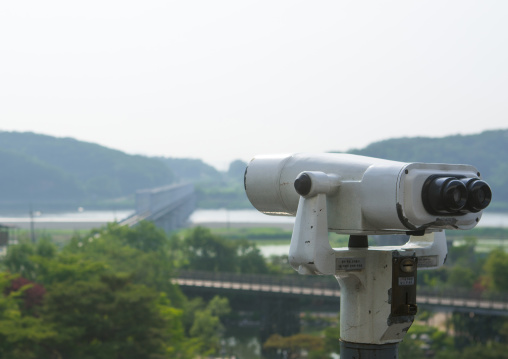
(39, 169)
(63, 171)
(487, 151)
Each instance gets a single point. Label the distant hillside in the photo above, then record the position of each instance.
(63, 171)
(487, 151)
(192, 170)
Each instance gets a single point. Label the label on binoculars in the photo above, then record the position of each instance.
(349, 264)
(406, 280)
(427, 262)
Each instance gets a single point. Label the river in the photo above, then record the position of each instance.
(218, 217)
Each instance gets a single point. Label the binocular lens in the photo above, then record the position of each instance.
(450, 195)
(480, 194)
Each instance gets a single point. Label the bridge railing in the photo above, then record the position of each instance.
(327, 285)
(462, 298)
(295, 281)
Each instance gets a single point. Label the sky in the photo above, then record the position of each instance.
(227, 80)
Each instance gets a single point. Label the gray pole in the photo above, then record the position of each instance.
(32, 230)
(368, 351)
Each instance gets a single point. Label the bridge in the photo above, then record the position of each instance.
(279, 300)
(167, 207)
(327, 290)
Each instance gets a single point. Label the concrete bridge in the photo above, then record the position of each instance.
(168, 207)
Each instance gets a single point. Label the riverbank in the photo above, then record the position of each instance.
(217, 218)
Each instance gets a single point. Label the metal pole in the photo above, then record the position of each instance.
(32, 230)
(368, 351)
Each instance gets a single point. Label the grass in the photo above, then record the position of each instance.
(272, 236)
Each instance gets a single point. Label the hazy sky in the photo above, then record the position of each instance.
(225, 80)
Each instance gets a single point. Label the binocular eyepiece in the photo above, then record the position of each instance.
(455, 195)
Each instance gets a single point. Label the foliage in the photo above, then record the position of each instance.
(423, 341)
(294, 345)
(107, 294)
(206, 325)
(280, 265)
(486, 351)
(22, 335)
(80, 301)
(496, 269)
(110, 317)
(208, 252)
(471, 329)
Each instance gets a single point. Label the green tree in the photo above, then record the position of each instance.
(486, 351)
(496, 269)
(250, 259)
(209, 252)
(17, 260)
(294, 345)
(144, 252)
(462, 277)
(45, 248)
(332, 339)
(22, 335)
(110, 317)
(206, 324)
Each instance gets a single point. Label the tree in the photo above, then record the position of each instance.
(31, 293)
(250, 259)
(17, 260)
(206, 325)
(107, 294)
(486, 351)
(22, 335)
(143, 251)
(208, 252)
(462, 277)
(110, 317)
(496, 269)
(294, 344)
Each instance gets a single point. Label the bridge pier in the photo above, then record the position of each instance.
(279, 316)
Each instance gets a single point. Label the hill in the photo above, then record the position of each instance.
(66, 172)
(487, 151)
